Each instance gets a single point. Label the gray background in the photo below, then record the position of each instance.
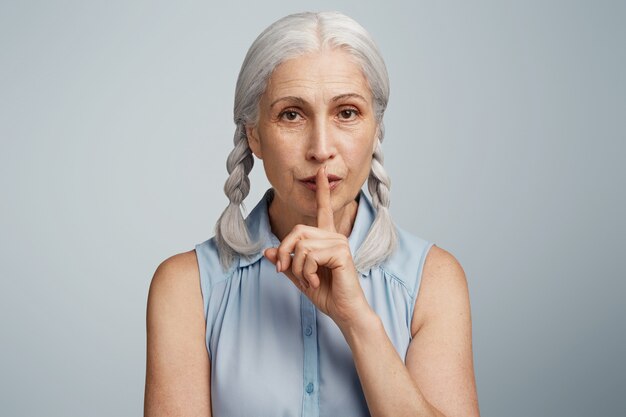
(505, 144)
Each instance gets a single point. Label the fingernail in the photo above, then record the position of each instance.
(278, 266)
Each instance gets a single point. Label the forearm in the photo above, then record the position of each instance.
(388, 387)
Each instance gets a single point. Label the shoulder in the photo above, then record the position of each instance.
(175, 308)
(407, 260)
(207, 252)
(210, 268)
(175, 286)
(443, 289)
(439, 357)
(177, 360)
(177, 271)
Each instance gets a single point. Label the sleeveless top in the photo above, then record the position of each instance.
(272, 352)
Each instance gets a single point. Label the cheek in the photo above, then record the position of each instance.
(278, 162)
(361, 151)
(282, 156)
(360, 161)
(278, 152)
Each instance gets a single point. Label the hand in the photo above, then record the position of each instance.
(322, 266)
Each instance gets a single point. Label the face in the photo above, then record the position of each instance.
(317, 111)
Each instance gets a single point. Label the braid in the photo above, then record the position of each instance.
(379, 182)
(380, 241)
(231, 233)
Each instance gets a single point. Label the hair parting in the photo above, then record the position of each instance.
(287, 38)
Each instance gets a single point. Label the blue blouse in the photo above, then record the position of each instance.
(273, 353)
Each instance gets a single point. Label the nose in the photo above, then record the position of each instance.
(321, 144)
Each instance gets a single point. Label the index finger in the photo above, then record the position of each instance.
(325, 218)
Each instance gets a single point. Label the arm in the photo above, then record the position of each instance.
(438, 379)
(178, 366)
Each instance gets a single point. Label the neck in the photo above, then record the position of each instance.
(282, 220)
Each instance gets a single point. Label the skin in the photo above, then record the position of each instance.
(315, 132)
(316, 111)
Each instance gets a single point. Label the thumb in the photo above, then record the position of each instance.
(271, 254)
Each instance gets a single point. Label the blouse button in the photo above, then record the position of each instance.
(308, 331)
(309, 388)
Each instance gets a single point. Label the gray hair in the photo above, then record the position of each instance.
(288, 38)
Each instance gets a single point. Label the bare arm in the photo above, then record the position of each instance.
(438, 378)
(178, 367)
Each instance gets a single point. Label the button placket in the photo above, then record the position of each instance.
(310, 400)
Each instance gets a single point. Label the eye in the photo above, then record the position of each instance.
(289, 115)
(348, 114)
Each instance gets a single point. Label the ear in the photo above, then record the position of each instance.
(253, 141)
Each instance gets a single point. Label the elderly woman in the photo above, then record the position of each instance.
(316, 304)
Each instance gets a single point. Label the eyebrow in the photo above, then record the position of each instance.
(295, 99)
(300, 100)
(348, 95)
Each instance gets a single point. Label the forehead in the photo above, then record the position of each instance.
(326, 73)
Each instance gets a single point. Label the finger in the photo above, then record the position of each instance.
(311, 254)
(301, 284)
(301, 251)
(272, 255)
(309, 271)
(332, 256)
(288, 244)
(285, 252)
(324, 208)
(297, 262)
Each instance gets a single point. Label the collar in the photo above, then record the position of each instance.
(258, 223)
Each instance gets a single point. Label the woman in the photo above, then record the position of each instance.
(273, 316)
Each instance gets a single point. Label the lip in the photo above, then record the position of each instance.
(330, 177)
(309, 182)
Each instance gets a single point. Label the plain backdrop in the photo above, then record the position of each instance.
(505, 143)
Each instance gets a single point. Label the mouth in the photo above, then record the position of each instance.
(310, 182)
